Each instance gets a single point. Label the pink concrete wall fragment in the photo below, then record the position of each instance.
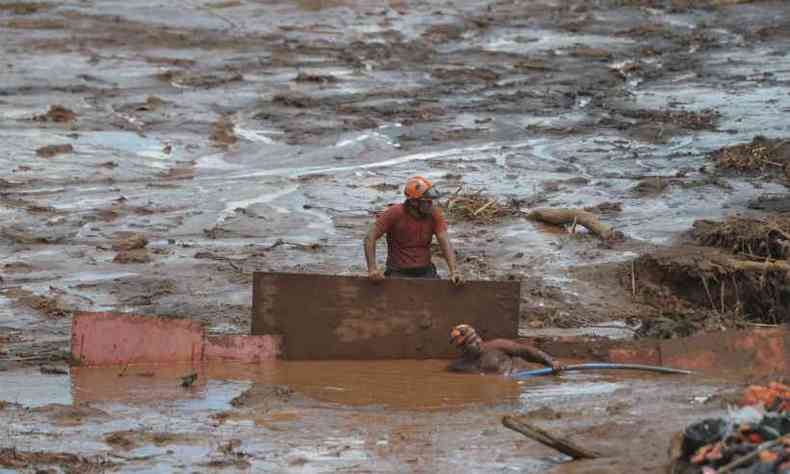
(121, 339)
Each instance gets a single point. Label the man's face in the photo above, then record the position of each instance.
(425, 206)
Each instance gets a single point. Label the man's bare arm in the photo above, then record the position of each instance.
(370, 253)
(447, 252)
(525, 351)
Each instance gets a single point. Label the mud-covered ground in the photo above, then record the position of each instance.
(154, 155)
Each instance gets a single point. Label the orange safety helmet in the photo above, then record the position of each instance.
(463, 334)
(418, 187)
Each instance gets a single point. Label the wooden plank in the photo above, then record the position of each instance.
(349, 317)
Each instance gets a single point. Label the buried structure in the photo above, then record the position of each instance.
(139, 346)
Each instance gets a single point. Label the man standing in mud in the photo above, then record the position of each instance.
(410, 228)
(498, 356)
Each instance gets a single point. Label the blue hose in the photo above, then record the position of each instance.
(525, 374)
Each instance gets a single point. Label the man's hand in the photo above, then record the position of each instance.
(557, 367)
(457, 279)
(375, 275)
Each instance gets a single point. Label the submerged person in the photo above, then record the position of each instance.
(410, 228)
(500, 356)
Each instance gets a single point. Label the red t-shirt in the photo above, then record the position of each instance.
(409, 238)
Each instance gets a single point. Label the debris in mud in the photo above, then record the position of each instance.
(179, 172)
(121, 440)
(651, 186)
(465, 75)
(35, 24)
(129, 242)
(574, 217)
(263, 395)
(132, 256)
(692, 120)
(222, 132)
(49, 370)
(591, 53)
(680, 321)
(17, 267)
(475, 206)
(762, 155)
(443, 33)
(24, 8)
(721, 288)
(207, 81)
(51, 150)
(768, 237)
(12, 458)
(56, 113)
(606, 207)
(229, 455)
(223, 5)
(315, 78)
(754, 439)
(52, 306)
(189, 380)
(294, 100)
(384, 187)
(151, 104)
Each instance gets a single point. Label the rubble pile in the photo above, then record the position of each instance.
(754, 439)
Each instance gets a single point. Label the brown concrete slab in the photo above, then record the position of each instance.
(348, 317)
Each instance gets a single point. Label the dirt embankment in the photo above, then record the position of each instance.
(729, 273)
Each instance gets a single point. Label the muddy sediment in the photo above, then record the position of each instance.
(192, 145)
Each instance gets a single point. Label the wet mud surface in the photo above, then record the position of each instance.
(154, 155)
(336, 416)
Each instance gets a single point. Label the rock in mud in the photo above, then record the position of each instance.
(51, 150)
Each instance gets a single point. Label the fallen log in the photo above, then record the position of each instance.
(567, 216)
(564, 446)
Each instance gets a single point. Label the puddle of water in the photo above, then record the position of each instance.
(568, 389)
(34, 389)
(519, 42)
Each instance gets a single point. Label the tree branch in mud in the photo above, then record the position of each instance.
(564, 446)
(567, 216)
